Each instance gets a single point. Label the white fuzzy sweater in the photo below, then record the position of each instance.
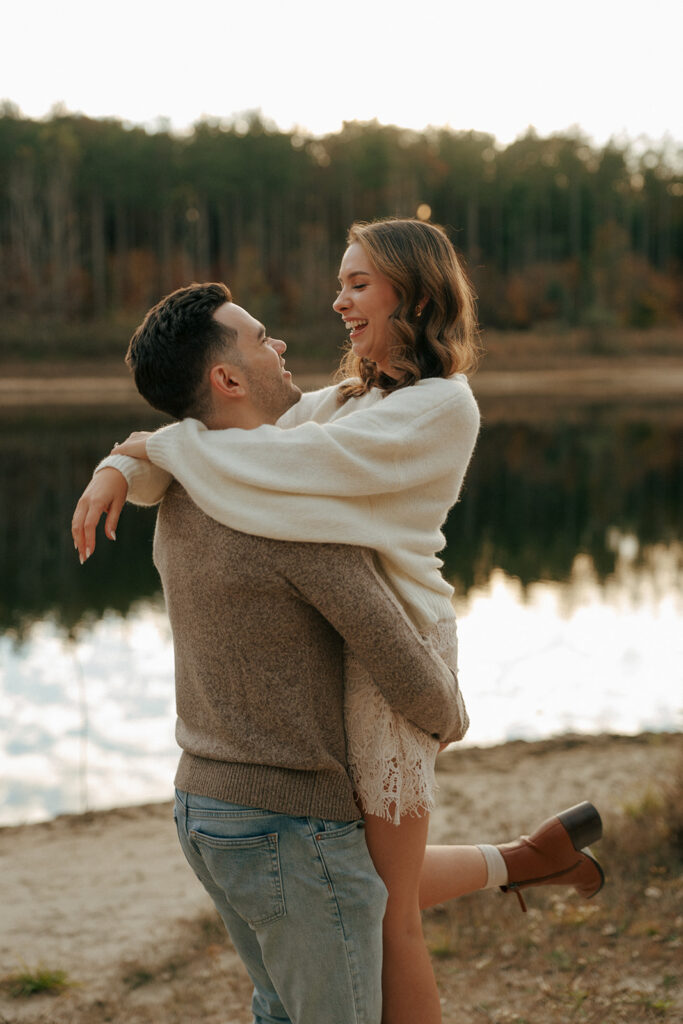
(377, 471)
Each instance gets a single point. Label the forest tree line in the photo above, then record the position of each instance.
(99, 218)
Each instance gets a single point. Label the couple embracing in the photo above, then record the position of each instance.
(314, 635)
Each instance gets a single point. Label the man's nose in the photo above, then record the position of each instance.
(279, 346)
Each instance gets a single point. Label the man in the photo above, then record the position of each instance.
(265, 809)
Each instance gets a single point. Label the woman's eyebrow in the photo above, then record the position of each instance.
(358, 273)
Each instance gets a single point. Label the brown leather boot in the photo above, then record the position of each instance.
(555, 854)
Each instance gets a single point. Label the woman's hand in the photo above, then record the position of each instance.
(106, 492)
(135, 445)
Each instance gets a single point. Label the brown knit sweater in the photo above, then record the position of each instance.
(258, 628)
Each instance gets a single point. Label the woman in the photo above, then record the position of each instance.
(377, 460)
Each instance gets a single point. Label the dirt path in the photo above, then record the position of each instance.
(108, 896)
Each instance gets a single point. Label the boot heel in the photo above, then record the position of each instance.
(583, 824)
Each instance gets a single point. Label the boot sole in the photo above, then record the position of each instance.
(583, 825)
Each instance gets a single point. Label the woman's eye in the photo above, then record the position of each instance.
(359, 287)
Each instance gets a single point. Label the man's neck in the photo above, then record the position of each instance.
(246, 418)
(243, 415)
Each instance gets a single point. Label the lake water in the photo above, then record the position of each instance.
(566, 553)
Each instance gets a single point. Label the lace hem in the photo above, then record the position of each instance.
(391, 761)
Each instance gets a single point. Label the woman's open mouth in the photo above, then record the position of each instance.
(355, 327)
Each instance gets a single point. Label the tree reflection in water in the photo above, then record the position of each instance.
(536, 495)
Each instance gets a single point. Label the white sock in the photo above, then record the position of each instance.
(495, 865)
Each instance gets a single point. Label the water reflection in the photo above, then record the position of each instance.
(566, 555)
(580, 656)
(536, 495)
(45, 461)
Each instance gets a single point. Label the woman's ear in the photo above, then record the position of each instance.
(225, 381)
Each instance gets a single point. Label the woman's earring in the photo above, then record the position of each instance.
(418, 311)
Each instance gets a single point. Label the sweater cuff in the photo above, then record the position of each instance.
(129, 467)
(147, 484)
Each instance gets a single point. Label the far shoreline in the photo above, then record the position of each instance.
(579, 381)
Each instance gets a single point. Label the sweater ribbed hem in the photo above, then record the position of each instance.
(300, 794)
(425, 607)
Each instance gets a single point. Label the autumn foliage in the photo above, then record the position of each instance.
(98, 218)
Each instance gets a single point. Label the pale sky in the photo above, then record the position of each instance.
(612, 67)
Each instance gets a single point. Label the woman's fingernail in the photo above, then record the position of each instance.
(81, 559)
(113, 534)
(87, 554)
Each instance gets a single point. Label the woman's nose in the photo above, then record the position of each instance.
(341, 302)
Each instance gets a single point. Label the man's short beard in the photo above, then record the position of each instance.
(272, 396)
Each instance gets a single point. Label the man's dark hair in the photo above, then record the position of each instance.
(170, 351)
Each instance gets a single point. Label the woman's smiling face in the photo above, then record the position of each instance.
(365, 303)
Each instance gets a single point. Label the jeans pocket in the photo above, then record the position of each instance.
(247, 869)
(347, 862)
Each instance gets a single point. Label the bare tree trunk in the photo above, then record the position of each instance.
(26, 236)
(203, 242)
(473, 227)
(58, 211)
(166, 281)
(98, 254)
(120, 255)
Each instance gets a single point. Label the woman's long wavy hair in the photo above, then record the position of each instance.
(432, 338)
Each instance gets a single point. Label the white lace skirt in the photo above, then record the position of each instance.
(391, 761)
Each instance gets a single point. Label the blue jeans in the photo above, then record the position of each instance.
(302, 903)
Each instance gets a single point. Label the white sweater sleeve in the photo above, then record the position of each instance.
(147, 483)
(313, 482)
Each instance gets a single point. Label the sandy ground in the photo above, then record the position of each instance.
(97, 894)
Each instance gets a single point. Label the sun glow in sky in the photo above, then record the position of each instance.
(610, 67)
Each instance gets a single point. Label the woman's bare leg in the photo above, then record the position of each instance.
(409, 992)
(449, 872)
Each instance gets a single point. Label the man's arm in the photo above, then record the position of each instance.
(343, 585)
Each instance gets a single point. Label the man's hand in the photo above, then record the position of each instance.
(106, 492)
(135, 445)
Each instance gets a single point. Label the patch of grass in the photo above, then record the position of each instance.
(659, 1007)
(202, 937)
(35, 981)
(138, 977)
(562, 959)
(442, 951)
(643, 843)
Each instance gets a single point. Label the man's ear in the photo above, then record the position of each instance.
(226, 380)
